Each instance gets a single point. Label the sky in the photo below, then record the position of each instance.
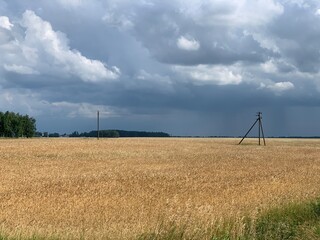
(184, 67)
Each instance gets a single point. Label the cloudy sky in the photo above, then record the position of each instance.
(184, 67)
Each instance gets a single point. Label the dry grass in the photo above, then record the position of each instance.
(121, 188)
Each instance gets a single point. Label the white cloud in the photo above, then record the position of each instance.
(5, 23)
(282, 86)
(71, 3)
(318, 12)
(269, 67)
(232, 12)
(146, 76)
(278, 87)
(265, 41)
(19, 69)
(41, 50)
(117, 20)
(257, 12)
(302, 3)
(22, 101)
(209, 74)
(152, 81)
(188, 43)
(28, 102)
(41, 36)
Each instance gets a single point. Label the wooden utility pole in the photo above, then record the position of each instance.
(259, 119)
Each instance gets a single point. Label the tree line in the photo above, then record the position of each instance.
(14, 125)
(118, 133)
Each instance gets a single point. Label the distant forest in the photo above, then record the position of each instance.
(119, 133)
(14, 125)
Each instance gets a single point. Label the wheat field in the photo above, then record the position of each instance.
(122, 188)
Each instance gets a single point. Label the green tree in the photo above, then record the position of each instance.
(7, 124)
(16, 125)
(29, 126)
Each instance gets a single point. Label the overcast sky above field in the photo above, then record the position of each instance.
(191, 67)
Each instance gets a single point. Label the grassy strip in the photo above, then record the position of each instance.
(294, 221)
(21, 237)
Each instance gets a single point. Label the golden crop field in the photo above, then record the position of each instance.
(122, 188)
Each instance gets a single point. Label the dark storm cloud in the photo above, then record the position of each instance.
(298, 31)
(161, 25)
(190, 68)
